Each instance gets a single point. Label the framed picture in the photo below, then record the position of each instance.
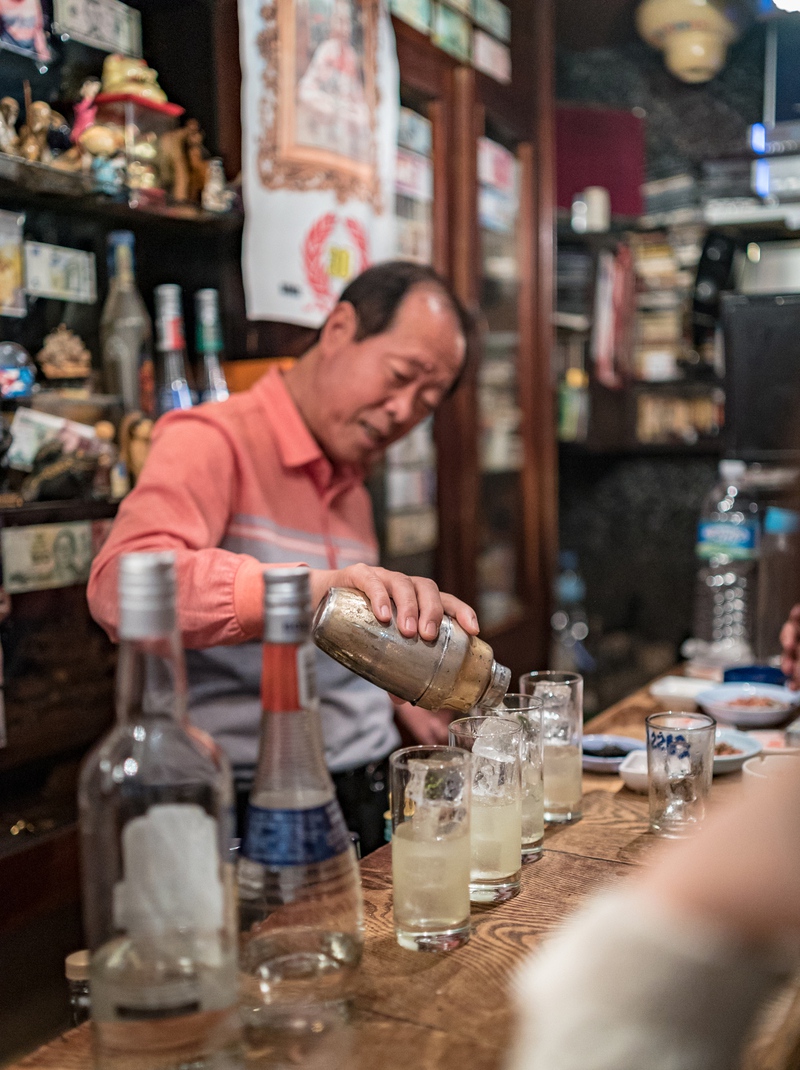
(23, 26)
(12, 288)
(319, 102)
(452, 32)
(416, 13)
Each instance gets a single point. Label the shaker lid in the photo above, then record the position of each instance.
(499, 683)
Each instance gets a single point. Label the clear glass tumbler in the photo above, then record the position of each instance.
(562, 722)
(680, 764)
(527, 711)
(431, 789)
(496, 821)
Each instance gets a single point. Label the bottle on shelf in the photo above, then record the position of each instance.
(155, 800)
(209, 346)
(728, 547)
(778, 579)
(126, 333)
(297, 856)
(569, 622)
(76, 971)
(173, 382)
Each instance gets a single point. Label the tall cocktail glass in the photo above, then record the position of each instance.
(431, 789)
(562, 725)
(680, 764)
(496, 821)
(528, 711)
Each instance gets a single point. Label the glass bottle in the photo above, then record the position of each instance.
(126, 333)
(209, 346)
(454, 671)
(296, 856)
(76, 971)
(173, 384)
(155, 803)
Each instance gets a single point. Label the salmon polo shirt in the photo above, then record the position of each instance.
(232, 487)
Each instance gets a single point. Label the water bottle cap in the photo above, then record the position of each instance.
(781, 521)
(732, 469)
(146, 595)
(287, 605)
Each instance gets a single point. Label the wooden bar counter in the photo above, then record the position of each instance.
(451, 1011)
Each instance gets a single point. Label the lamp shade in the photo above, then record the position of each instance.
(694, 35)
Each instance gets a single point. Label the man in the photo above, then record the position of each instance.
(274, 477)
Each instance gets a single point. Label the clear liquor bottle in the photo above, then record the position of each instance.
(173, 382)
(155, 803)
(126, 333)
(213, 386)
(300, 896)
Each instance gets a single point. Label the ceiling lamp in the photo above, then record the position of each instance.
(693, 34)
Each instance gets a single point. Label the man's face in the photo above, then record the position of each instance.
(374, 391)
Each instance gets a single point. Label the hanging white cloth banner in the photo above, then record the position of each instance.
(320, 107)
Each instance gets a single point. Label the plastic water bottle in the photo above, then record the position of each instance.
(778, 579)
(301, 910)
(569, 623)
(727, 547)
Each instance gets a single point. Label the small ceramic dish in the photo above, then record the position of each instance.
(604, 754)
(743, 744)
(749, 705)
(633, 771)
(678, 692)
(765, 765)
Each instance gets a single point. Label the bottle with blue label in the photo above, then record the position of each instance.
(300, 899)
(728, 549)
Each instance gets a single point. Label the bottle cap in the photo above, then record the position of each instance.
(76, 966)
(146, 595)
(209, 337)
(287, 605)
(781, 521)
(168, 299)
(115, 238)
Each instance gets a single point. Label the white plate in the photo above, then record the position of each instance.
(744, 743)
(678, 692)
(717, 701)
(633, 771)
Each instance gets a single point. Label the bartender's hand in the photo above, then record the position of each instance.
(421, 726)
(420, 603)
(790, 642)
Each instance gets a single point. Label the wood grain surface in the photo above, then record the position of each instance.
(451, 1011)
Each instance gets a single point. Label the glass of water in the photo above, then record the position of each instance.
(680, 764)
(527, 711)
(496, 821)
(431, 789)
(562, 720)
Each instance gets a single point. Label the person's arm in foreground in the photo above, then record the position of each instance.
(667, 971)
(182, 502)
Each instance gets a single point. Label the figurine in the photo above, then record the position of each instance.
(216, 196)
(58, 475)
(134, 442)
(124, 74)
(183, 168)
(85, 109)
(111, 476)
(9, 139)
(33, 135)
(64, 356)
(22, 27)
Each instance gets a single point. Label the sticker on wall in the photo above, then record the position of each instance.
(105, 24)
(452, 32)
(490, 57)
(12, 289)
(60, 273)
(493, 16)
(23, 29)
(416, 13)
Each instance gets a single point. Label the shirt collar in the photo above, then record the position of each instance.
(297, 447)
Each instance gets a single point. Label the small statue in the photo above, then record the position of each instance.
(183, 167)
(9, 139)
(216, 196)
(134, 442)
(85, 109)
(104, 145)
(111, 476)
(58, 475)
(33, 135)
(124, 74)
(64, 356)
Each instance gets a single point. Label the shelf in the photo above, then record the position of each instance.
(711, 448)
(47, 189)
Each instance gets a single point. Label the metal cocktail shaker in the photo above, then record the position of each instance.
(456, 671)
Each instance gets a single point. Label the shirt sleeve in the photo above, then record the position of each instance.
(182, 502)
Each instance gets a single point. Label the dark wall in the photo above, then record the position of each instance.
(685, 124)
